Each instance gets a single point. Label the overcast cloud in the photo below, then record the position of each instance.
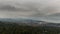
(25, 8)
(29, 8)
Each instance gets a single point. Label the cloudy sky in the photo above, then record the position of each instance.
(46, 10)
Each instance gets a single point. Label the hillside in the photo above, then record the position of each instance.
(24, 28)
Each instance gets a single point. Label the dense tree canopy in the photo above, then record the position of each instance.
(14, 28)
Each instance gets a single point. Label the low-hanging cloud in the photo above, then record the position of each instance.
(28, 8)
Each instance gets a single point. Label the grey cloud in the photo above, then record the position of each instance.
(29, 8)
(12, 8)
(8, 7)
(26, 9)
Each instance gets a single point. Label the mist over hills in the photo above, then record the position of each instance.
(53, 18)
(30, 22)
(33, 26)
(28, 9)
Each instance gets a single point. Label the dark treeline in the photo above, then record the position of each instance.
(14, 28)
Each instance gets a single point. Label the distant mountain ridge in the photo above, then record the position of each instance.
(30, 22)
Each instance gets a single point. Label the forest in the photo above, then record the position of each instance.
(14, 28)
